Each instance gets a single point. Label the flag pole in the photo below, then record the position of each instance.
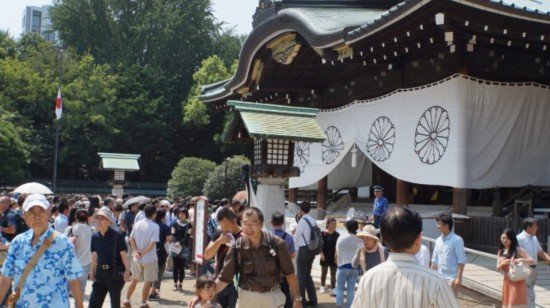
(57, 124)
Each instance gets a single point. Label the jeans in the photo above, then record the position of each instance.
(84, 278)
(162, 268)
(530, 281)
(305, 282)
(346, 277)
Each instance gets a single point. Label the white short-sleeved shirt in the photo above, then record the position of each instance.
(303, 231)
(423, 256)
(61, 223)
(144, 232)
(529, 243)
(83, 242)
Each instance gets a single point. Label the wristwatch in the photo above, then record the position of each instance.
(298, 299)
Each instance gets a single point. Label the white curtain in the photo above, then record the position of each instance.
(460, 132)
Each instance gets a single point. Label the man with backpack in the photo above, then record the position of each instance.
(309, 243)
(258, 259)
(278, 229)
(11, 223)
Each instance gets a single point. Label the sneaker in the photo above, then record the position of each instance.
(154, 297)
(333, 292)
(126, 304)
(322, 289)
(175, 288)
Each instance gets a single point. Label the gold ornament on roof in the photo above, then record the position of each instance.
(284, 48)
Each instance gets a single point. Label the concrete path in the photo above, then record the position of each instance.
(480, 275)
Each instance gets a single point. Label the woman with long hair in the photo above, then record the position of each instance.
(514, 293)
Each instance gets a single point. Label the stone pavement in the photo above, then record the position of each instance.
(169, 298)
(480, 275)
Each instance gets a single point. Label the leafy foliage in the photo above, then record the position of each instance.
(13, 154)
(189, 176)
(126, 69)
(226, 180)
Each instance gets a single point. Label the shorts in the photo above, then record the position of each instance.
(145, 271)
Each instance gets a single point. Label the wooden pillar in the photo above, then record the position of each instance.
(402, 192)
(322, 193)
(293, 195)
(460, 196)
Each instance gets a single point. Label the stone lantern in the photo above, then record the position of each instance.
(273, 130)
(120, 164)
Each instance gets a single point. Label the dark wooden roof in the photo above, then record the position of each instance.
(397, 47)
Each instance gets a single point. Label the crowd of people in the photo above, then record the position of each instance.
(52, 246)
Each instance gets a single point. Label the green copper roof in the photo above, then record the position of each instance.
(119, 161)
(273, 122)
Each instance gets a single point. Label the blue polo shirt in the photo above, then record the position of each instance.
(289, 240)
(105, 247)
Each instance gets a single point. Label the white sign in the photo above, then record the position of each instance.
(200, 212)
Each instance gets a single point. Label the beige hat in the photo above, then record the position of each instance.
(368, 231)
(105, 213)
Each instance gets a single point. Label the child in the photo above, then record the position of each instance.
(205, 290)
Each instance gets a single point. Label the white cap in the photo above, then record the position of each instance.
(165, 203)
(35, 200)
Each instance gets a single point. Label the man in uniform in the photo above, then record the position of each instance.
(381, 205)
(258, 259)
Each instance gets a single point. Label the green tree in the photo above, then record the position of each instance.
(189, 176)
(13, 154)
(28, 88)
(226, 179)
(211, 70)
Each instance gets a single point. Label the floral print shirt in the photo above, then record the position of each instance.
(46, 285)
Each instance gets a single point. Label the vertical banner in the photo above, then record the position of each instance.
(201, 219)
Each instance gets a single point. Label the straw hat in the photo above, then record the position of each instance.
(369, 231)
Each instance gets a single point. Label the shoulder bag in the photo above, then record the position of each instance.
(518, 272)
(14, 296)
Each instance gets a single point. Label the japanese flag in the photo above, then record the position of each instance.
(58, 104)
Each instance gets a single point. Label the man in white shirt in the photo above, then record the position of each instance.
(61, 222)
(143, 240)
(529, 242)
(305, 257)
(401, 282)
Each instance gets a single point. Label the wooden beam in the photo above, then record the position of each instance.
(460, 204)
(322, 194)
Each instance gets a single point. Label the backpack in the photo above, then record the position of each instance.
(20, 224)
(316, 243)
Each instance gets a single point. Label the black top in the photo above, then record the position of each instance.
(8, 220)
(105, 247)
(164, 231)
(129, 221)
(329, 247)
(222, 251)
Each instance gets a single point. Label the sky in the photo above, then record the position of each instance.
(236, 13)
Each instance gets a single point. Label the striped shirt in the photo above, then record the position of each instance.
(402, 282)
